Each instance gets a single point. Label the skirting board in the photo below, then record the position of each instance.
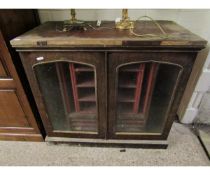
(154, 144)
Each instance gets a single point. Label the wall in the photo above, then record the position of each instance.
(203, 115)
(197, 21)
(191, 19)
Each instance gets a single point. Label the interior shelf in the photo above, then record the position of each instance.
(82, 121)
(86, 84)
(82, 116)
(131, 116)
(88, 97)
(76, 82)
(135, 86)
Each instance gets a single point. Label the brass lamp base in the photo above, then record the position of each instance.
(125, 25)
(73, 23)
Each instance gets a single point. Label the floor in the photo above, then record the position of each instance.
(204, 136)
(184, 149)
(204, 109)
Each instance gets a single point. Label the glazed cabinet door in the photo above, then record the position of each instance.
(142, 88)
(69, 90)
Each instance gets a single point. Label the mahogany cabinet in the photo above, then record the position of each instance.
(17, 120)
(106, 86)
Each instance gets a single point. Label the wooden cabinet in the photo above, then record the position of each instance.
(105, 86)
(17, 121)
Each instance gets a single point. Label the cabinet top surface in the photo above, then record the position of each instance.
(50, 34)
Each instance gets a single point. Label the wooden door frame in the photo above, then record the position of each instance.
(95, 59)
(184, 60)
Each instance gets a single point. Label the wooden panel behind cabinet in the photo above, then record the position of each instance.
(17, 121)
(4, 73)
(2, 70)
(11, 112)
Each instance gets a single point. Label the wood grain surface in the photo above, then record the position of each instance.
(50, 34)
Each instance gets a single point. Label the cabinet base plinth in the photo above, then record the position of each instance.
(154, 144)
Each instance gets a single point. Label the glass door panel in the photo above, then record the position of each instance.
(144, 91)
(69, 94)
